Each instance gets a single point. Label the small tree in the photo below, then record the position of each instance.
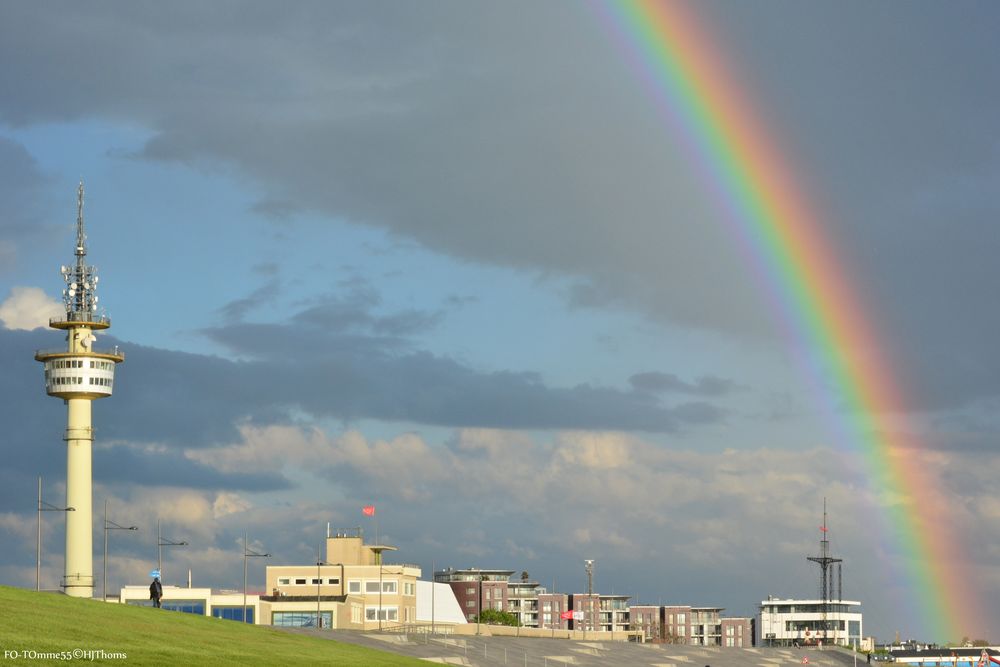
(524, 575)
(497, 617)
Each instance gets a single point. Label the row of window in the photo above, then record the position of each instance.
(79, 363)
(353, 586)
(383, 614)
(371, 586)
(305, 581)
(101, 382)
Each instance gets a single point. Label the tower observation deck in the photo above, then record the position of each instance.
(78, 374)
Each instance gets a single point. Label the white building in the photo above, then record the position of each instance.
(201, 601)
(783, 622)
(436, 605)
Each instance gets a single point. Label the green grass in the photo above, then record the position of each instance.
(51, 623)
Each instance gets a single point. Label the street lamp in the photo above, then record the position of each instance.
(43, 507)
(479, 616)
(248, 554)
(160, 543)
(110, 525)
(319, 580)
(589, 567)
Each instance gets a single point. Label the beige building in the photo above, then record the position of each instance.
(352, 588)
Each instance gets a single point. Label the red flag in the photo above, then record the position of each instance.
(566, 615)
(369, 510)
(823, 528)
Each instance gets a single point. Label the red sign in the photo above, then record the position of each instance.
(566, 615)
(369, 510)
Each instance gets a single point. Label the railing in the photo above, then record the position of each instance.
(82, 317)
(113, 352)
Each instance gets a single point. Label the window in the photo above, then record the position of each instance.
(354, 586)
(470, 603)
(283, 581)
(233, 613)
(389, 587)
(470, 591)
(333, 581)
(316, 582)
(186, 606)
(371, 587)
(384, 614)
(300, 619)
(300, 582)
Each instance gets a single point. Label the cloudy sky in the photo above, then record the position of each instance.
(447, 258)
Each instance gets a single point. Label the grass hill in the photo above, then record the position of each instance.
(50, 623)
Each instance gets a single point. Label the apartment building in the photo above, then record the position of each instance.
(699, 626)
(532, 604)
(737, 632)
(477, 589)
(552, 606)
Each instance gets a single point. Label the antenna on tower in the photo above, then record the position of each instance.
(81, 238)
(824, 560)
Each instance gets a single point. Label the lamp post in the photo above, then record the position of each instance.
(589, 567)
(43, 507)
(378, 549)
(110, 525)
(248, 554)
(479, 616)
(319, 580)
(160, 543)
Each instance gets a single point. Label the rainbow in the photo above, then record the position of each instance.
(741, 162)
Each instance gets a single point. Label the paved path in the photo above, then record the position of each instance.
(474, 651)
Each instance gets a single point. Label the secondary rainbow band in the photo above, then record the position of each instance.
(683, 69)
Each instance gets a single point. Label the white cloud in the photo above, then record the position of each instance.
(229, 503)
(28, 308)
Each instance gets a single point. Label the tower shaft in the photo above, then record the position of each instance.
(79, 572)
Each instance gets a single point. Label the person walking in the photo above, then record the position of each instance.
(156, 592)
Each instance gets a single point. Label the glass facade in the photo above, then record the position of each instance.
(300, 619)
(186, 606)
(233, 613)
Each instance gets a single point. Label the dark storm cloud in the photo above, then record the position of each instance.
(656, 382)
(235, 310)
(421, 120)
(22, 187)
(426, 121)
(121, 463)
(35, 424)
(306, 366)
(352, 310)
(354, 376)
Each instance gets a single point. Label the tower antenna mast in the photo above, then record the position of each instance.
(825, 560)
